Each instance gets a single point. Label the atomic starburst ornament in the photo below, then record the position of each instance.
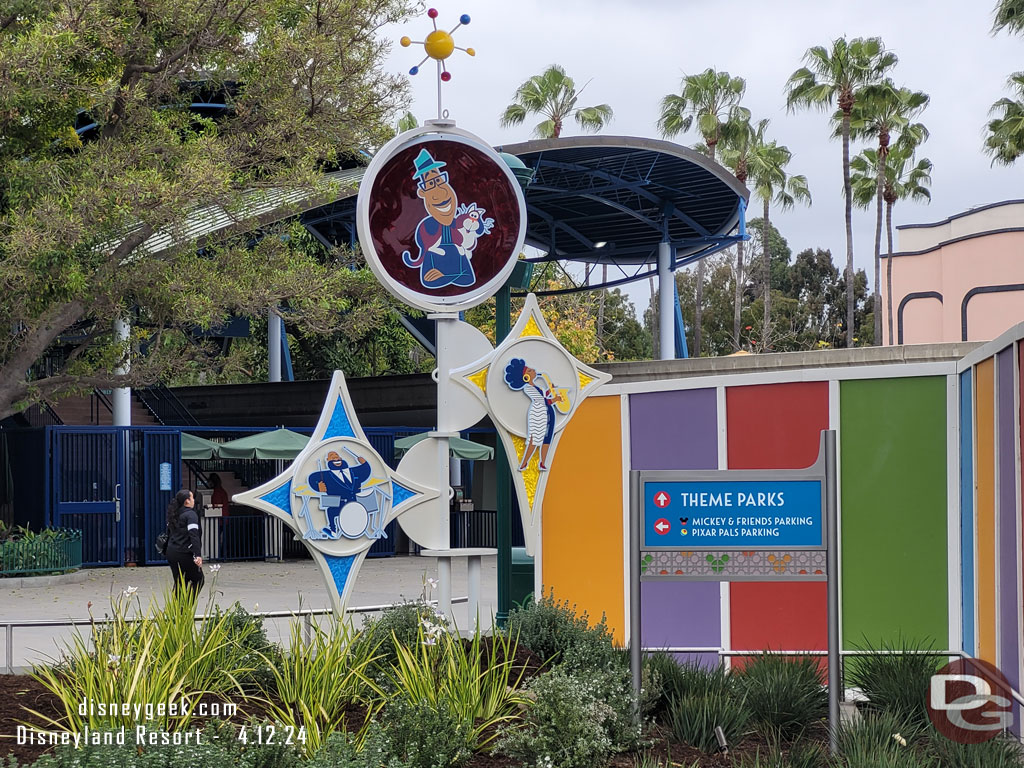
(439, 45)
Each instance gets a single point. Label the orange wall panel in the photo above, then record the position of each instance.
(582, 557)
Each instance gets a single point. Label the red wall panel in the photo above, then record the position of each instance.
(777, 426)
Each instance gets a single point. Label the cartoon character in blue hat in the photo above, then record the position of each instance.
(444, 248)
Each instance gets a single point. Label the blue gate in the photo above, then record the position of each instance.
(88, 465)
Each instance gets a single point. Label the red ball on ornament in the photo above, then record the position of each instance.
(446, 76)
(432, 13)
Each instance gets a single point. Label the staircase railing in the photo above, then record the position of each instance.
(165, 406)
(41, 414)
(98, 401)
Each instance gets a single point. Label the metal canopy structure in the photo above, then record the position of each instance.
(615, 199)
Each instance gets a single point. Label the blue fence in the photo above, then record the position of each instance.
(114, 485)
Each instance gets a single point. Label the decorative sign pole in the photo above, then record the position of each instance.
(739, 525)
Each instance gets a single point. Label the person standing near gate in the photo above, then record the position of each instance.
(184, 545)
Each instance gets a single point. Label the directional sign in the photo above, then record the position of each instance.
(734, 514)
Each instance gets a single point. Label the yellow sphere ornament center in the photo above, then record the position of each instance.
(439, 44)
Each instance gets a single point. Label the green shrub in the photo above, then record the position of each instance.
(317, 684)
(692, 719)
(996, 753)
(897, 679)
(139, 658)
(477, 681)
(399, 625)
(417, 735)
(687, 678)
(248, 646)
(883, 740)
(565, 727)
(784, 696)
(555, 632)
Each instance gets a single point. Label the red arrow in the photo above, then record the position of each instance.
(661, 499)
(662, 526)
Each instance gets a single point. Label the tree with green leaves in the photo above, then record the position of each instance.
(832, 77)
(553, 95)
(735, 153)
(97, 226)
(905, 179)
(886, 113)
(1005, 139)
(1009, 15)
(766, 164)
(711, 101)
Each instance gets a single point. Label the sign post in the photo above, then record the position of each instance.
(739, 525)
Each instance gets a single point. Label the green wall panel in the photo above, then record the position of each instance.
(893, 506)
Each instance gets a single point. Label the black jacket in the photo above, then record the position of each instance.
(186, 535)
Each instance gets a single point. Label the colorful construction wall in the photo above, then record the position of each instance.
(989, 494)
(930, 504)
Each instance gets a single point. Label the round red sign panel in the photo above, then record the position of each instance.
(970, 701)
(443, 221)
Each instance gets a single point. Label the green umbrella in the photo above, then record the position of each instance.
(459, 448)
(193, 447)
(279, 444)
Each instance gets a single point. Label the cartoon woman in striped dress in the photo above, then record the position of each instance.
(540, 418)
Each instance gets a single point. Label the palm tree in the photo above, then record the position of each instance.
(905, 179)
(1005, 140)
(833, 76)
(766, 165)
(711, 98)
(553, 94)
(1009, 15)
(735, 155)
(885, 112)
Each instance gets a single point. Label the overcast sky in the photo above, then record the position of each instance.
(635, 52)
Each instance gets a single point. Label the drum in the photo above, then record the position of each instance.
(352, 520)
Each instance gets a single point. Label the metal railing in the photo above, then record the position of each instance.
(165, 406)
(42, 553)
(306, 614)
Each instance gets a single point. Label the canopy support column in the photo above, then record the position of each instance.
(121, 398)
(274, 344)
(666, 302)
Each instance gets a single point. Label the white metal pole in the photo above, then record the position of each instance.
(444, 322)
(274, 344)
(666, 303)
(121, 398)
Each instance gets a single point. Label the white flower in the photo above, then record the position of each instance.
(256, 607)
(432, 583)
(130, 591)
(430, 641)
(898, 738)
(113, 659)
(214, 568)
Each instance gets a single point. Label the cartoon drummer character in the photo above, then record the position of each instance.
(342, 482)
(445, 245)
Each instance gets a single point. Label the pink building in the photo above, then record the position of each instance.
(961, 279)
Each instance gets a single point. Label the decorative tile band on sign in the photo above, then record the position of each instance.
(753, 565)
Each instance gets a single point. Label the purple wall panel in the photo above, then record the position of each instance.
(1008, 594)
(677, 430)
(674, 430)
(682, 614)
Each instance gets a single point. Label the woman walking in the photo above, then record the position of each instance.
(184, 545)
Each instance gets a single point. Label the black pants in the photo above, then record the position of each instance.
(185, 571)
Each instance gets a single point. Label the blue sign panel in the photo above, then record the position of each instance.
(740, 514)
(165, 476)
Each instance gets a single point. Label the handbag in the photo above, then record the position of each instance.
(161, 543)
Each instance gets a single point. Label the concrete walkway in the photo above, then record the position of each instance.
(259, 587)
